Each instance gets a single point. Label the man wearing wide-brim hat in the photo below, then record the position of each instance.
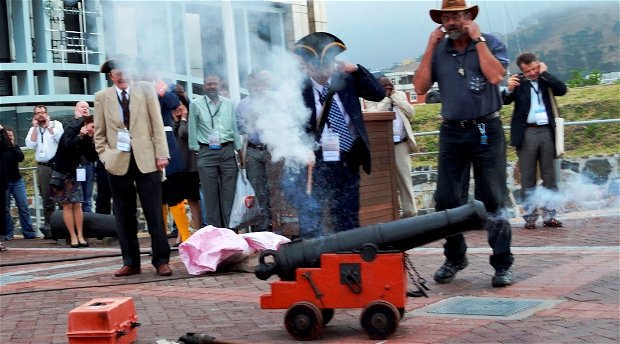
(468, 67)
(131, 143)
(331, 93)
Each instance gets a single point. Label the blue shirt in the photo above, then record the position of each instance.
(470, 95)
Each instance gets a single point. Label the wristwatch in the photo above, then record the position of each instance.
(480, 39)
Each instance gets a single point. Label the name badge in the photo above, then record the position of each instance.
(80, 174)
(214, 140)
(123, 141)
(330, 143)
(541, 116)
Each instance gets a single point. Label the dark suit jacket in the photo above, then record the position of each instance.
(349, 87)
(522, 98)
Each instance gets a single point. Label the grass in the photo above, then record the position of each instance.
(579, 104)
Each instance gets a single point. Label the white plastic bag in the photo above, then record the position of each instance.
(211, 247)
(245, 207)
(259, 241)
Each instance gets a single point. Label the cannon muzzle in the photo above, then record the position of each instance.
(399, 235)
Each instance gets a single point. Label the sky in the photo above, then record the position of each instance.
(381, 33)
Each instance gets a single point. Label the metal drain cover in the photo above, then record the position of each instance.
(486, 307)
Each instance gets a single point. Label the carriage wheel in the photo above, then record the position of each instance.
(303, 321)
(380, 319)
(328, 314)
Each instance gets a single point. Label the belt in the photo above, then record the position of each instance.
(260, 147)
(470, 123)
(223, 144)
(399, 142)
(534, 125)
(42, 163)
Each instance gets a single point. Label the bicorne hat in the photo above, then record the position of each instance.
(453, 6)
(319, 48)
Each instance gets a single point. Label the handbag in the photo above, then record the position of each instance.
(559, 126)
(245, 209)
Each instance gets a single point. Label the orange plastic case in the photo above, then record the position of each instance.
(103, 320)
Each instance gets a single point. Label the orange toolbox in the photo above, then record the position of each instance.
(110, 320)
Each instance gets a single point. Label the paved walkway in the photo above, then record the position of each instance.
(575, 270)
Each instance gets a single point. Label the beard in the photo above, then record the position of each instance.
(455, 34)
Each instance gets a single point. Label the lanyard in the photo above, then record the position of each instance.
(213, 114)
(41, 132)
(537, 90)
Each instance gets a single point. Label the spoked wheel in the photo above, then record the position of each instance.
(380, 319)
(328, 314)
(303, 321)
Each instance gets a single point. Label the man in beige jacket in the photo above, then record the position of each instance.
(131, 143)
(404, 142)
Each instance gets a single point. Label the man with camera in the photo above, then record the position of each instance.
(532, 132)
(43, 137)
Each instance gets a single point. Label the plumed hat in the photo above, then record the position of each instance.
(453, 6)
(117, 62)
(319, 48)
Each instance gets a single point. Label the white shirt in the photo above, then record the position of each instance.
(46, 143)
(318, 88)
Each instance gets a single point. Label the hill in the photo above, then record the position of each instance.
(575, 37)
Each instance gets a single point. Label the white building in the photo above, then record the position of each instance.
(51, 50)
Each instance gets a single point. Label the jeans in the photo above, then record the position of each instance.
(87, 188)
(17, 189)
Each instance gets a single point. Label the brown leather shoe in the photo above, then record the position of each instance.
(164, 270)
(127, 271)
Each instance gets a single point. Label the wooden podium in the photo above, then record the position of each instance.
(378, 195)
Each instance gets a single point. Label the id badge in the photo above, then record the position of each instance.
(541, 116)
(330, 143)
(41, 154)
(123, 141)
(214, 140)
(396, 138)
(80, 174)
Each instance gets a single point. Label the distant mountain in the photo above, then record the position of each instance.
(584, 36)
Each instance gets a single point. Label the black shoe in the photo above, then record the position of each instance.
(502, 278)
(83, 244)
(446, 272)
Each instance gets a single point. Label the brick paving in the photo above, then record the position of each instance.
(577, 266)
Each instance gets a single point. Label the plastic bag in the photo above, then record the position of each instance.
(245, 209)
(211, 247)
(259, 241)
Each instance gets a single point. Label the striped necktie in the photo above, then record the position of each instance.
(337, 122)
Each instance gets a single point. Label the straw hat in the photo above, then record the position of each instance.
(453, 6)
(319, 48)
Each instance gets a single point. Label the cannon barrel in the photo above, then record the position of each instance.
(399, 235)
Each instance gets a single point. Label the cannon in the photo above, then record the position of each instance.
(360, 268)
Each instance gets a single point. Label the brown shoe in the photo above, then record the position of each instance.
(552, 222)
(164, 270)
(127, 271)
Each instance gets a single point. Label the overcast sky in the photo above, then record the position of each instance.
(381, 33)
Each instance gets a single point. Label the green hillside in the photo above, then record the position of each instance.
(579, 104)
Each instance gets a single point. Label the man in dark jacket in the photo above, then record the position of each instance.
(532, 132)
(340, 132)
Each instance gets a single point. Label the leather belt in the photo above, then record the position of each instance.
(534, 125)
(260, 147)
(470, 123)
(42, 163)
(399, 142)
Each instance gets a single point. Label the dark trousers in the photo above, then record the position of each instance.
(44, 174)
(459, 150)
(103, 201)
(336, 186)
(148, 187)
(218, 180)
(538, 149)
(258, 168)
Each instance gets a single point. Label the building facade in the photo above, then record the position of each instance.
(51, 50)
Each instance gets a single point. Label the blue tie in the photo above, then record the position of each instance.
(337, 123)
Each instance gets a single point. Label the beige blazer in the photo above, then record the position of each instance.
(399, 99)
(146, 129)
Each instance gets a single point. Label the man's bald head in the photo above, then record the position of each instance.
(387, 84)
(81, 109)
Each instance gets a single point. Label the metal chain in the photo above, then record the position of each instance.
(418, 280)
